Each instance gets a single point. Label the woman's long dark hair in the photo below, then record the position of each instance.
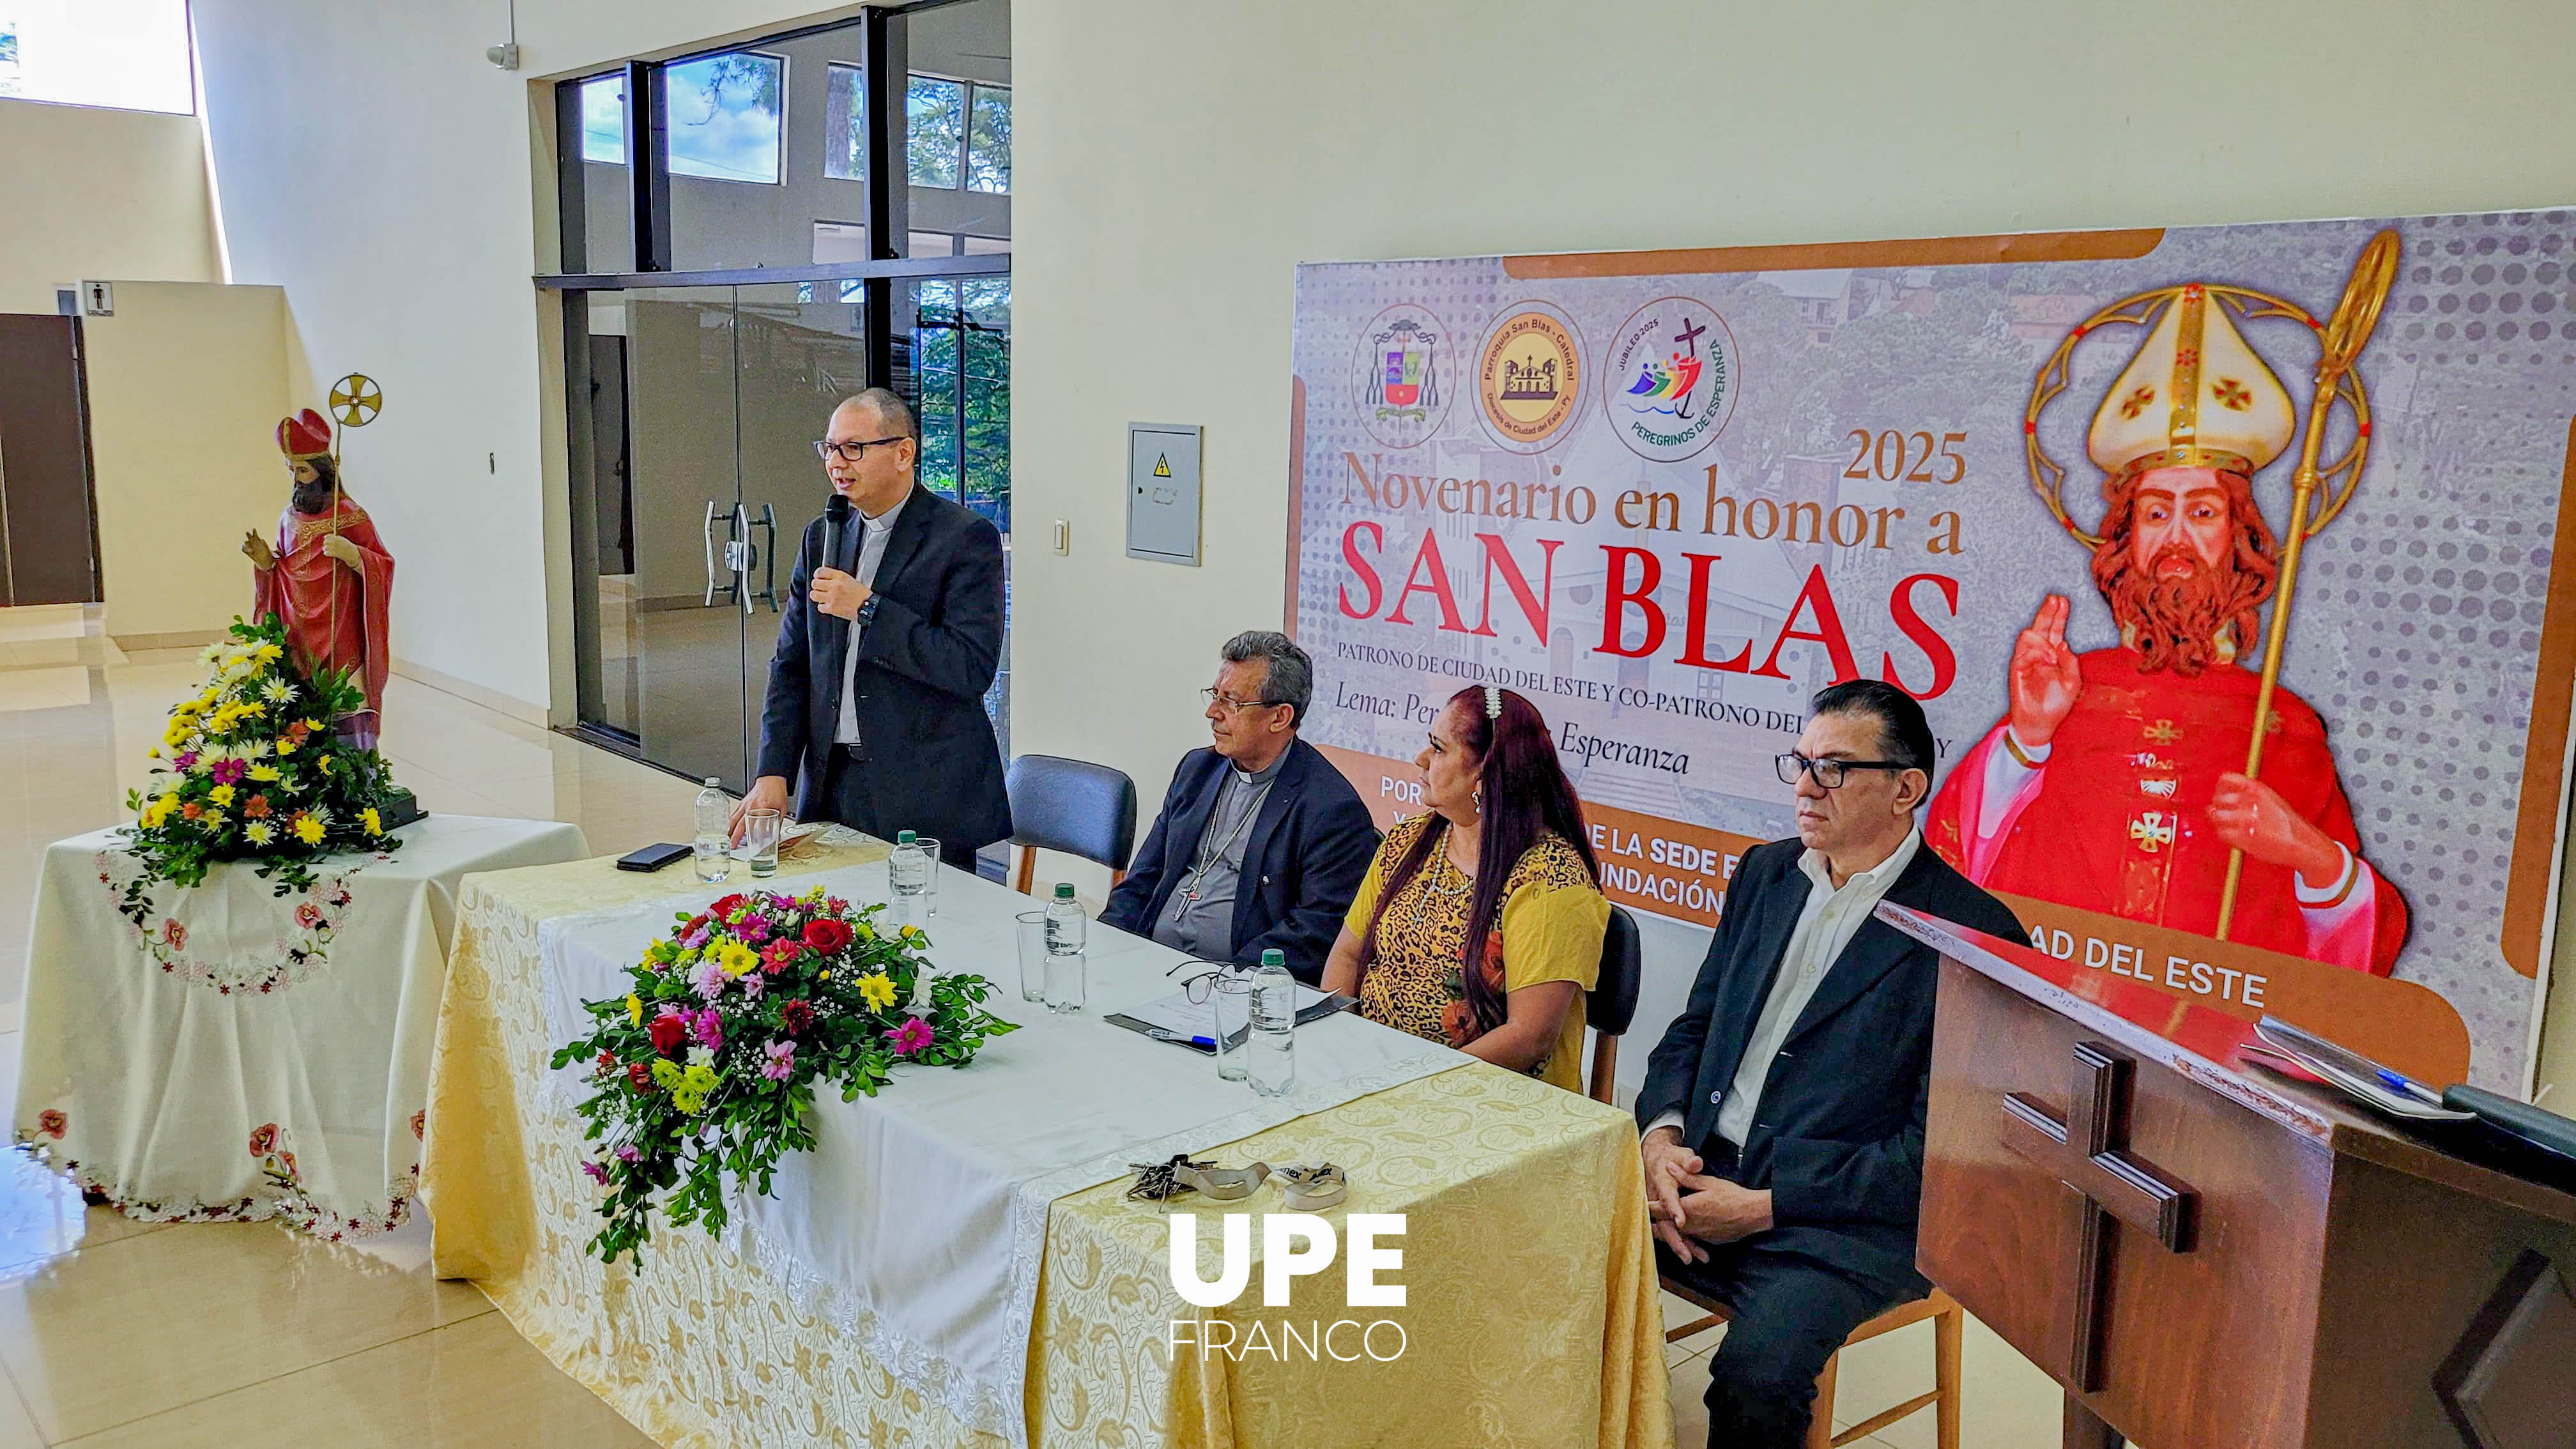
(1526, 797)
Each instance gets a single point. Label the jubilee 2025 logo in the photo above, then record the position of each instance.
(1668, 383)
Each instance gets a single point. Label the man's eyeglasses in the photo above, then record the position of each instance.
(1201, 986)
(1217, 696)
(850, 452)
(1829, 774)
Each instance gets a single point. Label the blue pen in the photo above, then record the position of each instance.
(1204, 1041)
(2407, 1086)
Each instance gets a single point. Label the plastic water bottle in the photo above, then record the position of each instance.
(715, 833)
(909, 871)
(1065, 927)
(1273, 1044)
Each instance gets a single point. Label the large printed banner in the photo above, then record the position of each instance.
(2045, 483)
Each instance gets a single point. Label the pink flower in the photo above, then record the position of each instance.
(708, 1028)
(910, 1037)
(308, 915)
(752, 985)
(187, 761)
(228, 772)
(779, 955)
(596, 1173)
(52, 1123)
(752, 929)
(626, 1153)
(782, 1060)
(174, 933)
(709, 980)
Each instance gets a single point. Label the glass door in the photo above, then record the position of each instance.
(672, 568)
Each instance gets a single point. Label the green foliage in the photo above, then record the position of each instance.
(255, 772)
(706, 1069)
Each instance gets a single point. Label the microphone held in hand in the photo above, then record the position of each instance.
(836, 522)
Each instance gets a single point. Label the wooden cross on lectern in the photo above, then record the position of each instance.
(2089, 1154)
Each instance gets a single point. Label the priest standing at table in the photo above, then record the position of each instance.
(885, 650)
(1784, 1108)
(1261, 844)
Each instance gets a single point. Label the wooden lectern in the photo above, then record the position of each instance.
(2206, 1255)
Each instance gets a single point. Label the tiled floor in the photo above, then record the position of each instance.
(122, 1333)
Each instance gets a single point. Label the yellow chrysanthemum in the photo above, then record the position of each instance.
(269, 654)
(374, 822)
(158, 812)
(308, 830)
(738, 959)
(265, 774)
(691, 1094)
(876, 990)
(258, 832)
(666, 1073)
(285, 747)
(211, 821)
(221, 795)
(634, 1008)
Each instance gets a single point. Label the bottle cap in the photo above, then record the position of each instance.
(714, 783)
(905, 837)
(1064, 890)
(1273, 956)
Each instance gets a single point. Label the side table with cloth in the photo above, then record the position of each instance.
(223, 1052)
(956, 1263)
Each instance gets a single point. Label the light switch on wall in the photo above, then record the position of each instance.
(1063, 536)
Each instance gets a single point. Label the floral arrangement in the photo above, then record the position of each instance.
(255, 772)
(706, 1067)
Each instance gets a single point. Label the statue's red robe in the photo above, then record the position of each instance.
(336, 616)
(2115, 820)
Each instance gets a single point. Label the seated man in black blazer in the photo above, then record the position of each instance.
(1261, 843)
(1783, 1110)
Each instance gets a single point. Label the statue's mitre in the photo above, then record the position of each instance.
(2195, 396)
(305, 435)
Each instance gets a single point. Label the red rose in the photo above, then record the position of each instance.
(640, 1076)
(668, 1032)
(795, 1017)
(263, 1141)
(607, 1063)
(52, 1123)
(725, 907)
(827, 936)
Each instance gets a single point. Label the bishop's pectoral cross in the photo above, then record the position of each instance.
(2088, 1152)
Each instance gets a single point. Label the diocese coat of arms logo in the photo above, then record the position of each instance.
(1405, 372)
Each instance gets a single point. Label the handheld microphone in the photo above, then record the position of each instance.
(836, 522)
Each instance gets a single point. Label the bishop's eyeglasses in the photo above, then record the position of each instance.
(851, 451)
(1829, 774)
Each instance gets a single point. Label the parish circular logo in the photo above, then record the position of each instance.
(1406, 370)
(1530, 376)
(1668, 384)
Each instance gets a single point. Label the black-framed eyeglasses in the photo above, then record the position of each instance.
(1829, 773)
(850, 452)
(1203, 985)
(1214, 695)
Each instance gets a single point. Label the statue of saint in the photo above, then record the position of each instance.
(326, 576)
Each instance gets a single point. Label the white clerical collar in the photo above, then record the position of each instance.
(884, 521)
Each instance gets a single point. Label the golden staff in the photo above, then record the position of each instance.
(355, 401)
(2354, 318)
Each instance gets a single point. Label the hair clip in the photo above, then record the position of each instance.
(1493, 702)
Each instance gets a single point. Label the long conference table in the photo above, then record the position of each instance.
(957, 1263)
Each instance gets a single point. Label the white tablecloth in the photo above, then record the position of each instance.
(918, 1222)
(224, 1052)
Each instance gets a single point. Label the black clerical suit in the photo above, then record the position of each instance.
(1308, 849)
(926, 759)
(1838, 1135)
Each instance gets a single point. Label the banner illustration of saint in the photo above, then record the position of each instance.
(2115, 783)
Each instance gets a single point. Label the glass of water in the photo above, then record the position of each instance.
(1033, 955)
(930, 876)
(761, 830)
(1231, 1003)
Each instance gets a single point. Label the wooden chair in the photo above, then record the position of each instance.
(1612, 1003)
(1947, 1321)
(1073, 806)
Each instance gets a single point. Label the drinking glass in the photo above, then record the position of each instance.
(930, 878)
(760, 834)
(1231, 1003)
(1033, 955)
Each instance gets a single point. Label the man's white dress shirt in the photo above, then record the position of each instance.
(1826, 924)
(873, 533)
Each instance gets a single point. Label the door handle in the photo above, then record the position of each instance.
(742, 552)
(707, 535)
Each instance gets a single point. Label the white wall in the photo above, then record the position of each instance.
(95, 193)
(186, 384)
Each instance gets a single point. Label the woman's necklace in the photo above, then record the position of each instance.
(1432, 885)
